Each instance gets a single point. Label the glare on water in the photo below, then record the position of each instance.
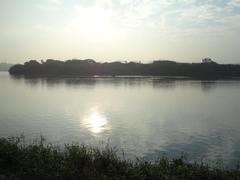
(95, 122)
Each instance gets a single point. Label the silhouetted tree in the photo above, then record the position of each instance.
(89, 67)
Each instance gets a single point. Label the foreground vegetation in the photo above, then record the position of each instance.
(45, 161)
(205, 70)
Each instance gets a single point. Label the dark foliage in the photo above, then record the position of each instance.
(42, 161)
(157, 68)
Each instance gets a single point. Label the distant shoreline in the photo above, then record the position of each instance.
(123, 77)
(5, 66)
(90, 68)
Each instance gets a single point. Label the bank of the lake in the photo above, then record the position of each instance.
(45, 161)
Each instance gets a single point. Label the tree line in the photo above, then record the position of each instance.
(89, 67)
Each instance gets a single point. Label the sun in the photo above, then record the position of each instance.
(93, 19)
(94, 25)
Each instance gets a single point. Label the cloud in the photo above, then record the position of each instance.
(56, 2)
(164, 18)
(234, 3)
(43, 28)
(200, 13)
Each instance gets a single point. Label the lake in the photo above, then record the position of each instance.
(143, 116)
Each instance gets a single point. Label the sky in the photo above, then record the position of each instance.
(113, 30)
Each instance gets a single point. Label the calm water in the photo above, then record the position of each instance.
(145, 117)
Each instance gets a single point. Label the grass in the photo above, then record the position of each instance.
(39, 160)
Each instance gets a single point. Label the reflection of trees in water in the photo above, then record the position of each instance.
(68, 81)
(34, 81)
(92, 81)
(16, 79)
(29, 81)
(169, 82)
(133, 81)
(208, 85)
(164, 83)
(83, 81)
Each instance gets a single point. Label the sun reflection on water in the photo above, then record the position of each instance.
(95, 122)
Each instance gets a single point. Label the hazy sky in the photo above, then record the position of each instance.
(106, 30)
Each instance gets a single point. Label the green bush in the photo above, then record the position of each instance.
(45, 161)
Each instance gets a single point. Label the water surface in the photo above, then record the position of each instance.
(145, 117)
